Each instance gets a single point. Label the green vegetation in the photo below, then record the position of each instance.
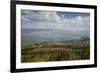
(55, 51)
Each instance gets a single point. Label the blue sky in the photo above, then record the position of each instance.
(32, 19)
(72, 14)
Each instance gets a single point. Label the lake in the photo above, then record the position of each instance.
(44, 35)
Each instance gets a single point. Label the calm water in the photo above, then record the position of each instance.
(43, 35)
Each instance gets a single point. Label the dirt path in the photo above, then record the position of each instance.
(51, 49)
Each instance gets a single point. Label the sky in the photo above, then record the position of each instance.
(33, 19)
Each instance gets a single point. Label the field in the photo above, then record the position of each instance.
(55, 51)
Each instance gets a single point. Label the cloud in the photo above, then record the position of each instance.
(51, 20)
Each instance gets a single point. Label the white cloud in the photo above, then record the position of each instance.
(51, 20)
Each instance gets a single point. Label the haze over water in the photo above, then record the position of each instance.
(41, 26)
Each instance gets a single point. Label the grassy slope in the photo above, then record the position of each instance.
(53, 51)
